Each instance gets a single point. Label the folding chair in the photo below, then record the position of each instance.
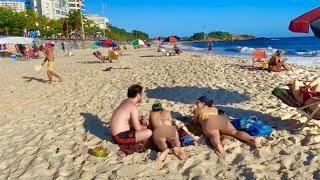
(285, 94)
(259, 56)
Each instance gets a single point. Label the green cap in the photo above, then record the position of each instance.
(157, 106)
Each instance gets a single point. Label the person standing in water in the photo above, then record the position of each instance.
(49, 57)
(210, 45)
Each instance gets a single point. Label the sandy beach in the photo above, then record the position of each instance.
(47, 130)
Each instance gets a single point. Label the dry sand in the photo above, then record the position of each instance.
(46, 130)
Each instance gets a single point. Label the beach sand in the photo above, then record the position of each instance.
(47, 130)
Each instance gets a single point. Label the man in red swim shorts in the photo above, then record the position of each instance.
(127, 127)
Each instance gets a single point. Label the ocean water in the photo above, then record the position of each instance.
(298, 50)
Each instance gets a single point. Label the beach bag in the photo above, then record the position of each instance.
(252, 125)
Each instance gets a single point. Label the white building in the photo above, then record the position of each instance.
(98, 21)
(53, 9)
(75, 5)
(14, 5)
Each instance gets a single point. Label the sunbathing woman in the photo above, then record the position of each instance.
(163, 132)
(307, 93)
(276, 63)
(213, 125)
(102, 59)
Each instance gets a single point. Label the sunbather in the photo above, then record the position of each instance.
(177, 50)
(213, 125)
(277, 64)
(102, 59)
(164, 131)
(307, 93)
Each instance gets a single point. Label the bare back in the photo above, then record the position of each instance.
(49, 54)
(121, 118)
(160, 118)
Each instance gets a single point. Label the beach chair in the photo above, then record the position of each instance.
(285, 95)
(259, 56)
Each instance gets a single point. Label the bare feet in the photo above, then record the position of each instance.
(197, 140)
(180, 153)
(49, 82)
(254, 143)
(162, 155)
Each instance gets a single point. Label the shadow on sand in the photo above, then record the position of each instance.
(95, 126)
(90, 62)
(29, 79)
(188, 95)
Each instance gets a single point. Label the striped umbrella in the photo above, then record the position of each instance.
(310, 19)
(137, 42)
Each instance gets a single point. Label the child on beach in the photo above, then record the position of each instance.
(213, 125)
(49, 57)
(163, 132)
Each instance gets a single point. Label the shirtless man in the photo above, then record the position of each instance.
(125, 124)
(48, 51)
(163, 132)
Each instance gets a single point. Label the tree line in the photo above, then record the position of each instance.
(12, 24)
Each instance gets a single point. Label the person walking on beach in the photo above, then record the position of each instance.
(210, 45)
(126, 126)
(63, 47)
(49, 57)
(213, 125)
(164, 131)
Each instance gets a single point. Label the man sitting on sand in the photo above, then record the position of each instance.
(127, 127)
(163, 132)
(49, 56)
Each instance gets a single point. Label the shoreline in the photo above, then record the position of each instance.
(47, 130)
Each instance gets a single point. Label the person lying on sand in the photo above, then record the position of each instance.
(163, 132)
(127, 127)
(102, 59)
(307, 93)
(213, 125)
(276, 63)
(49, 57)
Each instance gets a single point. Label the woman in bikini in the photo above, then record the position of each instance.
(213, 125)
(276, 63)
(164, 131)
(307, 93)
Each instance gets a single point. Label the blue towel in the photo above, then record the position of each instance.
(252, 125)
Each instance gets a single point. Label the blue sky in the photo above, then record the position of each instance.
(268, 18)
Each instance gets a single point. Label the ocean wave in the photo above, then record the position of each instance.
(270, 51)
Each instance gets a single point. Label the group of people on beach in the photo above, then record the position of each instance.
(128, 127)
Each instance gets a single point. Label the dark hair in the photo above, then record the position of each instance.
(134, 90)
(157, 107)
(205, 100)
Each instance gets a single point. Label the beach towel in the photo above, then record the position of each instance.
(252, 125)
(140, 147)
(286, 96)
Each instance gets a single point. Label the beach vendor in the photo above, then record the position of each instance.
(276, 63)
(165, 132)
(49, 57)
(127, 127)
(213, 125)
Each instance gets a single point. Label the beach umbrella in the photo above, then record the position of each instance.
(106, 43)
(310, 19)
(137, 42)
(172, 39)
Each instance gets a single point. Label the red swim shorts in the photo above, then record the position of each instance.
(127, 137)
